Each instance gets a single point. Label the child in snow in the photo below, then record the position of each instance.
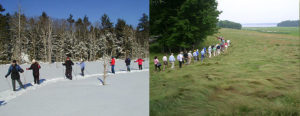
(140, 63)
(112, 64)
(35, 67)
(165, 61)
(14, 70)
(127, 62)
(68, 63)
(82, 66)
(172, 60)
(156, 63)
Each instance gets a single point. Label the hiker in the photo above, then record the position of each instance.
(214, 50)
(165, 61)
(156, 63)
(112, 64)
(218, 49)
(127, 62)
(35, 67)
(209, 51)
(195, 56)
(228, 41)
(202, 55)
(13, 71)
(68, 63)
(190, 56)
(204, 50)
(226, 46)
(172, 60)
(82, 66)
(185, 56)
(140, 63)
(180, 59)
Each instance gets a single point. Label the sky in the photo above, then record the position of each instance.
(258, 11)
(129, 10)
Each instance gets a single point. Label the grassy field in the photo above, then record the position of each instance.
(258, 76)
(276, 30)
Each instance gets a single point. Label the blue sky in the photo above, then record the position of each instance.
(129, 10)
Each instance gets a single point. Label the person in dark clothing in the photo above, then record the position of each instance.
(14, 70)
(185, 55)
(68, 63)
(35, 67)
(127, 62)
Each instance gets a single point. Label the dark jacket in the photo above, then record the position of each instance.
(35, 67)
(14, 71)
(127, 61)
(68, 64)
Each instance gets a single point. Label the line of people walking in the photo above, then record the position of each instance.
(185, 58)
(14, 70)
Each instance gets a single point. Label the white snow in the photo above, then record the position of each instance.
(126, 94)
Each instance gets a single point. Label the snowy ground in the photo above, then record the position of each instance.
(127, 94)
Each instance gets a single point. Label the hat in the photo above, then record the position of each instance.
(33, 60)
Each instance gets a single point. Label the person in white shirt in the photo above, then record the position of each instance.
(172, 60)
(180, 59)
(165, 61)
(209, 51)
(228, 41)
(190, 57)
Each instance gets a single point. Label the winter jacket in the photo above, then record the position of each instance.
(127, 61)
(35, 67)
(82, 65)
(68, 64)
(14, 71)
(113, 61)
(140, 61)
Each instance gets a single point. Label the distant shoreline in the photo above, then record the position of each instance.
(259, 25)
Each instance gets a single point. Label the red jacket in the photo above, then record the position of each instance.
(140, 61)
(113, 61)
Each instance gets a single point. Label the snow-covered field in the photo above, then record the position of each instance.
(127, 93)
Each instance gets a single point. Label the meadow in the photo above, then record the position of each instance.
(258, 75)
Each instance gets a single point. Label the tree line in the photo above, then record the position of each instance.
(182, 24)
(289, 23)
(229, 24)
(47, 39)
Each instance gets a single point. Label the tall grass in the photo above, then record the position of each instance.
(258, 75)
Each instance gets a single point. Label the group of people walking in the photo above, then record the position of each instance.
(14, 70)
(187, 57)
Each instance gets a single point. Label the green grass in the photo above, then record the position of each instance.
(259, 75)
(277, 30)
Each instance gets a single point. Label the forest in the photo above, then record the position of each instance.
(289, 23)
(229, 24)
(50, 40)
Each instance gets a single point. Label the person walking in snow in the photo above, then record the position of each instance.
(14, 70)
(35, 67)
(68, 63)
(140, 63)
(165, 61)
(112, 64)
(172, 60)
(82, 66)
(127, 62)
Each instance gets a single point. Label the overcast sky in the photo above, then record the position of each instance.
(258, 11)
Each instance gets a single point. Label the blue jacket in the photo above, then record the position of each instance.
(172, 58)
(14, 75)
(82, 65)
